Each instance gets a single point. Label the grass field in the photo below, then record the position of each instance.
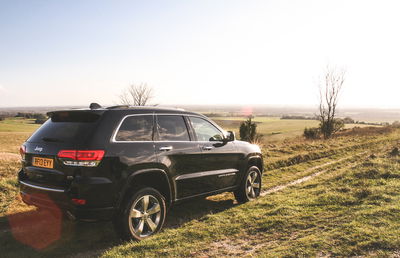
(347, 212)
(352, 208)
(18, 124)
(273, 128)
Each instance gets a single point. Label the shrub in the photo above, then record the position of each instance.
(348, 120)
(311, 133)
(248, 131)
(328, 128)
(396, 124)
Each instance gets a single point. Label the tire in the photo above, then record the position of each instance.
(250, 187)
(142, 215)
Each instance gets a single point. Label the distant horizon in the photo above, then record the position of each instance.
(305, 106)
(366, 114)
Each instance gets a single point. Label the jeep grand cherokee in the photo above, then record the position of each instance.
(130, 164)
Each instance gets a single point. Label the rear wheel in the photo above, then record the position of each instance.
(250, 188)
(142, 215)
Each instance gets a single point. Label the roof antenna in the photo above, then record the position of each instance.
(94, 106)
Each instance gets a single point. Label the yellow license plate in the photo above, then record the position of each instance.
(42, 162)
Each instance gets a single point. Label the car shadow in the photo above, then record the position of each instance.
(196, 209)
(41, 233)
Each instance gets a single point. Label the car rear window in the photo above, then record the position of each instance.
(70, 127)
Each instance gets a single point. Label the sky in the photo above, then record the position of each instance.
(212, 52)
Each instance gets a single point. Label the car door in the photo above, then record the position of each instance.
(178, 153)
(220, 160)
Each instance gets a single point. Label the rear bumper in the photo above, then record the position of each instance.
(60, 199)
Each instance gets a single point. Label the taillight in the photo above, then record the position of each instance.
(22, 151)
(69, 154)
(90, 155)
(81, 154)
(86, 158)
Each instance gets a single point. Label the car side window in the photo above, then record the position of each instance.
(205, 131)
(136, 128)
(172, 128)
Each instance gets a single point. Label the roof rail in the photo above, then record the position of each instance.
(141, 107)
(118, 106)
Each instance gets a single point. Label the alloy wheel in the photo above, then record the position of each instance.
(144, 216)
(253, 185)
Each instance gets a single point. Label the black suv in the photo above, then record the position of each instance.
(130, 164)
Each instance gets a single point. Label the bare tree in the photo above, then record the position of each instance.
(329, 96)
(136, 95)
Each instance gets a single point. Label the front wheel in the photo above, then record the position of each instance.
(142, 215)
(250, 188)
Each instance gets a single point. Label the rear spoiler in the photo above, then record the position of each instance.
(83, 116)
(87, 111)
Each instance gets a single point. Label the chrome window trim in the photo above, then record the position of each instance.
(42, 188)
(114, 135)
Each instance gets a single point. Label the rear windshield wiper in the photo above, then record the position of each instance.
(49, 139)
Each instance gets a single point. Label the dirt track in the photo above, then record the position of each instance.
(307, 178)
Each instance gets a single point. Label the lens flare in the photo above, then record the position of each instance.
(247, 111)
(39, 228)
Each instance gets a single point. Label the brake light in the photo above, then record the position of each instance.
(69, 154)
(81, 154)
(81, 158)
(22, 151)
(90, 155)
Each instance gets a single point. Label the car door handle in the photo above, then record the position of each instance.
(207, 148)
(165, 148)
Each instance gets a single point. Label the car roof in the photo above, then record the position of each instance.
(131, 109)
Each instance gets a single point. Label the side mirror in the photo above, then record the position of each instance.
(230, 136)
(216, 138)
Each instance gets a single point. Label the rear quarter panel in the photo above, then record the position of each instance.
(121, 159)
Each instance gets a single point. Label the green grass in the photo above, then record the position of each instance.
(348, 211)
(11, 141)
(357, 196)
(18, 125)
(8, 183)
(273, 128)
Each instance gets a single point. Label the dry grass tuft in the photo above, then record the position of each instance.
(366, 131)
(9, 157)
